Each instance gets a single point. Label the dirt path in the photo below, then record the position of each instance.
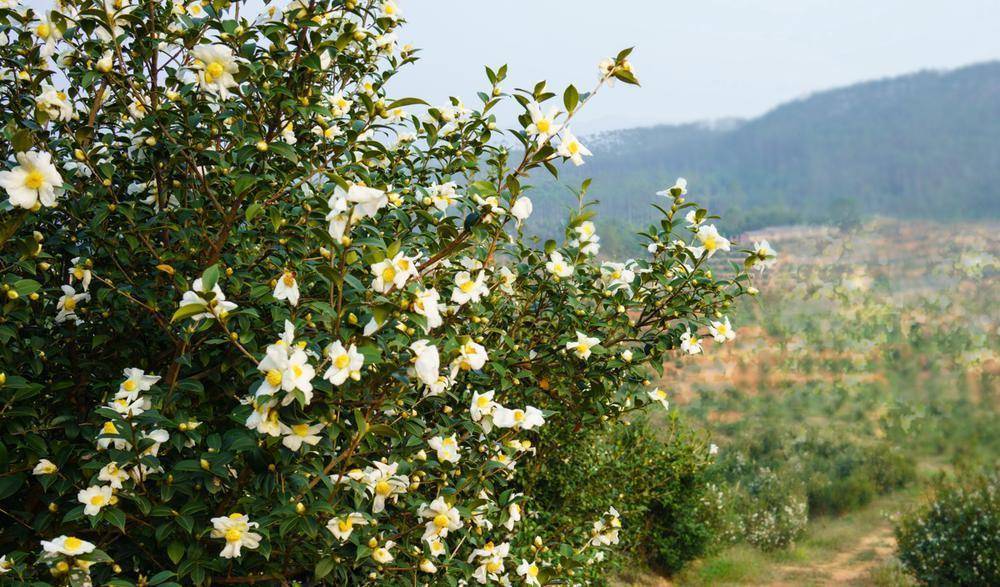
(847, 567)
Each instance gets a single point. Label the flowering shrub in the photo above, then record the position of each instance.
(265, 322)
(658, 484)
(954, 539)
(774, 511)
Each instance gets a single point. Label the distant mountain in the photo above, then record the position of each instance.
(925, 145)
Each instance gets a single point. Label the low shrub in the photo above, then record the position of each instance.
(774, 511)
(656, 480)
(955, 538)
(837, 474)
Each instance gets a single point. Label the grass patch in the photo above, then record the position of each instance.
(828, 541)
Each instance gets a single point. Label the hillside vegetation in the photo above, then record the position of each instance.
(919, 146)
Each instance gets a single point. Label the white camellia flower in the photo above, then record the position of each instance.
(383, 554)
(264, 418)
(35, 181)
(617, 276)
(525, 419)
(690, 343)
(472, 356)
(711, 241)
(94, 498)
(67, 545)
(587, 238)
(443, 518)
(55, 103)
(339, 216)
(442, 195)
(764, 255)
(605, 533)
(81, 273)
(110, 436)
(427, 566)
(427, 304)
(507, 280)
(529, 571)
(113, 474)
(48, 32)
(158, 436)
(136, 381)
(427, 362)
(106, 62)
(383, 483)
(287, 288)
(447, 448)
(722, 331)
(344, 363)
(298, 434)
(112, 26)
(481, 409)
(129, 405)
(339, 105)
(218, 307)
(342, 527)
(491, 562)
(678, 189)
(330, 131)
(582, 345)
(393, 272)
(44, 467)
(67, 304)
(692, 219)
(367, 201)
(469, 290)
(236, 530)
(215, 65)
(558, 266)
(571, 148)
(522, 208)
(542, 125)
(391, 10)
(437, 547)
(658, 395)
(513, 516)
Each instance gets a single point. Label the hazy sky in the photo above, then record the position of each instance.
(696, 59)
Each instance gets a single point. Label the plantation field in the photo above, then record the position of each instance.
(866, 369)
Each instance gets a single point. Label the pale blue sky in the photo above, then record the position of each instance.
(697, 59)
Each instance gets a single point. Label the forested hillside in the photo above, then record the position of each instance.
(922, 145)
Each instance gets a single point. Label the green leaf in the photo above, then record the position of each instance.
(571, 97)
(362, 424)
(162, 576)
(405, 102)
(116, 517)
(22, 140)
(9, 485)
(323, 567)
(210, 277)
(253, 211)
(175, 551)
(188, 311)
(26, 286)
(285, 151)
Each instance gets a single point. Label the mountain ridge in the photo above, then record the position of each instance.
(921, 145)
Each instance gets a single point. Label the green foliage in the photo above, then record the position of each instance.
(955, 538)
(773, 510)
(835, 473)
(656, 479)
